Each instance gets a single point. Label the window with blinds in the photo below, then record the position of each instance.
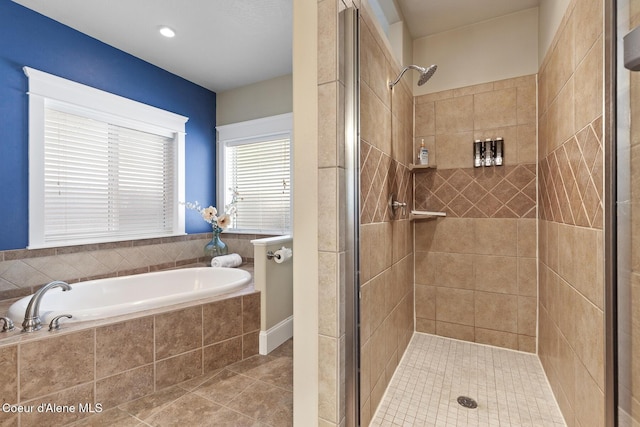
(258, 176)
(105, 181)
(102, 168)
(254, 174)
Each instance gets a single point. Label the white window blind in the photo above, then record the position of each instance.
(104, 180)
(259, 175)
(254, 173)
(102, 168)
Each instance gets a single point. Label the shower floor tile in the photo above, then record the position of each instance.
(509, 387)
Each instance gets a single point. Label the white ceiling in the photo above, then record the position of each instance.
(426, 17)
(219, 44)
(224, 44)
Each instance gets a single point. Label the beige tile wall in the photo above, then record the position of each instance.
(331, 216)
(386, 252)
(475, 270)
(571, 318)
(24, 271)
(449, 121)
(475, 280)
(124, 361)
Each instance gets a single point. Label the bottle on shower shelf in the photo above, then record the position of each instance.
(423, 154)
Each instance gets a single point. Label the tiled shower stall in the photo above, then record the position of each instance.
(518, 260)
(475, 270)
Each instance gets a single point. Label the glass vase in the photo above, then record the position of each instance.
(215, 247)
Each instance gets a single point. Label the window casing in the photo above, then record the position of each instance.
(102, 168)
(254, 164)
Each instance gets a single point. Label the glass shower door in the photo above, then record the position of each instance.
(628, 214)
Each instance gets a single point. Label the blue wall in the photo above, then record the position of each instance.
(28, 38)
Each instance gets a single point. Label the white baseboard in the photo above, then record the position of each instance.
(272, 338)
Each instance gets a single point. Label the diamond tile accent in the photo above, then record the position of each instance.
(381, 176)
(497, 192)
(571, 181)
(460, 205)
(473, 192)
(505, 192)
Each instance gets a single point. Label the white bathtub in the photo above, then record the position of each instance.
(103, 298)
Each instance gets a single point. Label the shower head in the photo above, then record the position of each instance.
(425, 74)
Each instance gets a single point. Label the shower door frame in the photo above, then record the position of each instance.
(610, 213)
(350, 43)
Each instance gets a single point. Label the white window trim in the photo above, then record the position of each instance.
(278, 126)
(46, 89)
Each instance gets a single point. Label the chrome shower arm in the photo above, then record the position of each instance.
(404, 70)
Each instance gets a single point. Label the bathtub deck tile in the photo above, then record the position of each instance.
(125, 386)
(178, 331)
(8, 376)
(135, 339)
(219, 355)
(71, 397)
(70, 361)
(178, 369)
(250, 344)
(251, 312)
(222, 320)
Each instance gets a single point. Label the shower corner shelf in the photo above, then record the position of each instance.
(420, 215)
(420, 168)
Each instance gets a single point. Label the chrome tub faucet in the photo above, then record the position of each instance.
(32, 320)
(7, 324)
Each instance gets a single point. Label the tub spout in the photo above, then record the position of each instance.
(32, 320)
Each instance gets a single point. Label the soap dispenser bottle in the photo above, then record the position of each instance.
(488, 152)
(423, 154)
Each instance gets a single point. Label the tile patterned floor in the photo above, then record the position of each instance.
(510, 387)
(257, 391)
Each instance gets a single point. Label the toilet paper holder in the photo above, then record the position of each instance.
(276, 255)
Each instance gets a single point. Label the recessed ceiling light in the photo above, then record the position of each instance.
(167, 32)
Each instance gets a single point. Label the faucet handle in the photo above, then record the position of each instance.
(8, 324)
(55, 322)
(395, 205)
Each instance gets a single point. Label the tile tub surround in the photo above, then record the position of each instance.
(125, 360)
(24, 271)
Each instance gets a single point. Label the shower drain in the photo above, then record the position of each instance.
(467, 402)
